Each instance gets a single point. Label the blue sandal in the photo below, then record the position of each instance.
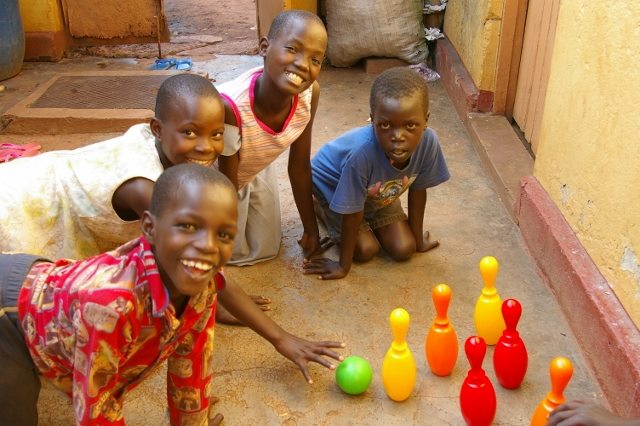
(184, 64)
(163, 64)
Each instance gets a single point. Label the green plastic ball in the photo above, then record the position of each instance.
(354, 375)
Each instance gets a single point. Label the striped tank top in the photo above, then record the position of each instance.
(260, 145)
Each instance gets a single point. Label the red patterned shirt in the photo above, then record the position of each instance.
(99, 326)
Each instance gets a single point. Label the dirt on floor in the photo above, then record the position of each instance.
(198, 28)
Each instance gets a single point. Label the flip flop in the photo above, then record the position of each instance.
(9, 151)
(163, 64)
(184, 64)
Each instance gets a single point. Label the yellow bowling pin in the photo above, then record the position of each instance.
(399, 367)
(488, 313)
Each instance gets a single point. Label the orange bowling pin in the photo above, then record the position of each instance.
(488, 313)
(561, 371)
(441, 346)
(399, 367)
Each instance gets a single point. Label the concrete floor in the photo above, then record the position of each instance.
(257, 386)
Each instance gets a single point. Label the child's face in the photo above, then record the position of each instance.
(192, 237)
(192, 132)
(398, 124)
(294, 58)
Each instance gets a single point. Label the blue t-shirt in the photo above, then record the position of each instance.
(353, 173)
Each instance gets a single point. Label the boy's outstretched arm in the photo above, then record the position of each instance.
(580, 413)
(328, 269)
(417, 202)
(299, 169)
(298, 350)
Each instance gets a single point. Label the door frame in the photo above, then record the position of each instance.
(514, 17)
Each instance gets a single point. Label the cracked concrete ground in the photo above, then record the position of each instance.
(257, 386)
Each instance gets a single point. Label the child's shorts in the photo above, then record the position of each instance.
(371, 221)
(19, 381)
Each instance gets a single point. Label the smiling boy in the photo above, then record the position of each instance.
(97, 327)
(78, 203)
(359, 177)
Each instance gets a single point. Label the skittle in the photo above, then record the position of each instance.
(399, 367)
(561, 371)
(510, 357)
(488, 315)
(441, 346)
(477, 396)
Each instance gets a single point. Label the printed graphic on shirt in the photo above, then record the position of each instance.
(200, 302)
(104, 364)
(28, 326)
(110, 409)
(81, 333)
(47, 298)
(80, 363)
(202, 322)
(193, 419)
(186, 398)
(130, 374)
(382, 194)
(207, 354)
(100, 317)
(181, 367)
(186, 346)
(78, 401)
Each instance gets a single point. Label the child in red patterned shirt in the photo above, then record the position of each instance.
(97, 327)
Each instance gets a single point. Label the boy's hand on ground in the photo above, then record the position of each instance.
(225, 317)
(313, 246)
(214, 419)
(426, 244)
(326, 269)
(302, 351)
(580, 413)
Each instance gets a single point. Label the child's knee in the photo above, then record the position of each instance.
(365, 252)
(402, 251)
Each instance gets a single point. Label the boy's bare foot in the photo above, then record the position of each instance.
(225, 317)
(427, 244)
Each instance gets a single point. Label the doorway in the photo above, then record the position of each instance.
(231, 21)
(535, 62)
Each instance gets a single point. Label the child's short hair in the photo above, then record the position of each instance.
(397, 83)
(182, 86)
(172, 178)
(283, 19)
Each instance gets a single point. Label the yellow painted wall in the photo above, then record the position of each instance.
(41, 15)
(588, 159)
(473, 27)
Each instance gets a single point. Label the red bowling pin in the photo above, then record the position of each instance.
(441, 346)
(477, 396)
(510, 357)
(561, 371)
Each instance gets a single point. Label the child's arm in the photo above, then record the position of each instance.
(300, 177)
(228, 165)
(328, 269)
(132, 198)
(579, 413)
(417, 203)
(298, 350)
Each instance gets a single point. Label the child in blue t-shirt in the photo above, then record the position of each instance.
(359, 177)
